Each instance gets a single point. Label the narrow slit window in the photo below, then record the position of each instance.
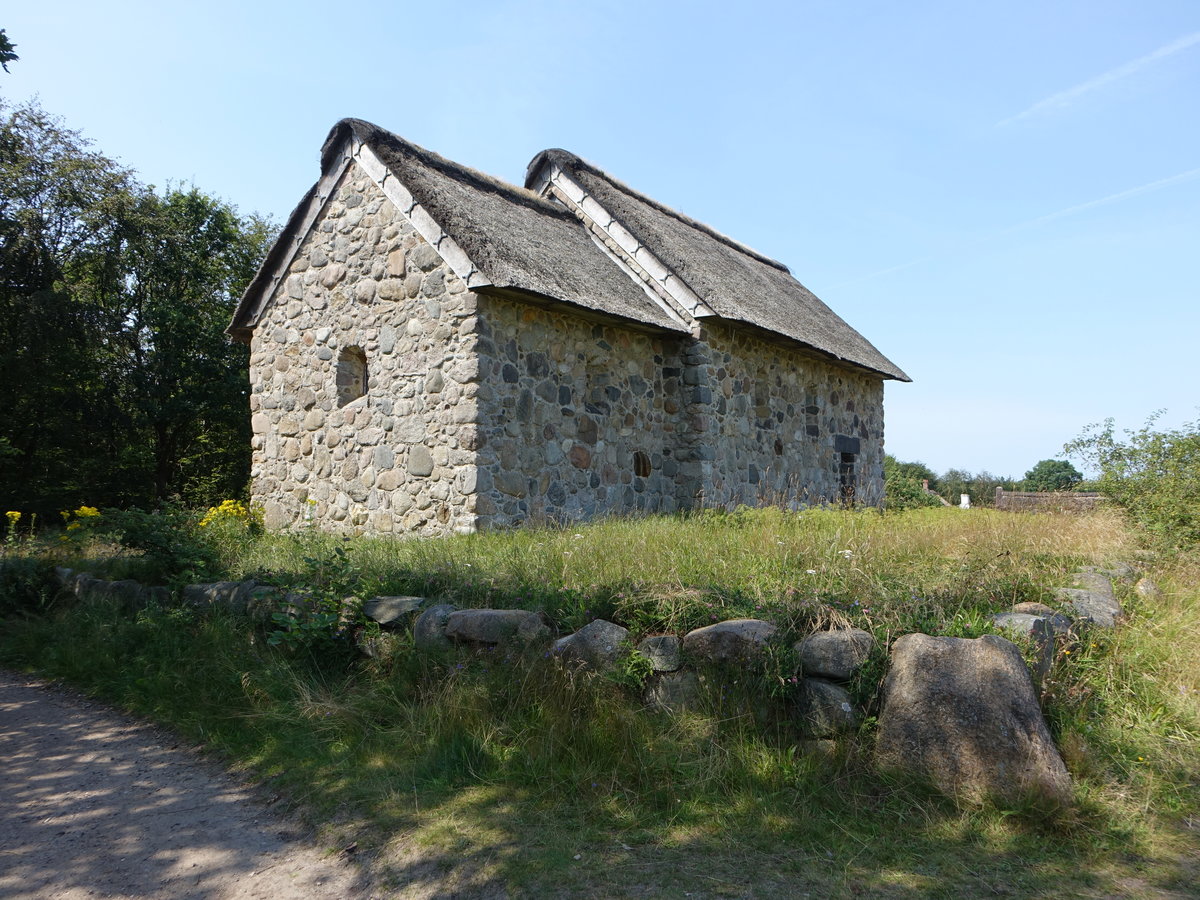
(846, 478)
(351, 375)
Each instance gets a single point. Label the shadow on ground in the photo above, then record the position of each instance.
(95, 804)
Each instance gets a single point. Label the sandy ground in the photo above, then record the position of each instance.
(97, 805)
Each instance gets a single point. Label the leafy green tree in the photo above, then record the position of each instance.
(6, 51)
(184, 259)
(1154, 475)
(917, 471)
(118, 384)
(60, 205)
(1052, 475)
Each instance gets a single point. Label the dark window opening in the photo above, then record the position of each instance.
(351, 375)
(846, 478)
(641, 464)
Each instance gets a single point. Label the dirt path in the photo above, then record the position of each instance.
(97, 805)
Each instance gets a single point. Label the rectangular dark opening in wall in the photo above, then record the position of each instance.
(846, 478)
(848, 447)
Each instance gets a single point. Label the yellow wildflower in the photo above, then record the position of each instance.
(13, 516)
(230, 511)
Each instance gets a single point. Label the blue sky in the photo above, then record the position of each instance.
(1003, 196)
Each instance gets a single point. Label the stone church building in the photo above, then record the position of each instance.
(435, 351)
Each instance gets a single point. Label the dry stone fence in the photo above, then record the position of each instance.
(1048, 501)
(960, 714)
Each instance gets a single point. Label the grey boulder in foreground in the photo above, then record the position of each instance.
(963, 715)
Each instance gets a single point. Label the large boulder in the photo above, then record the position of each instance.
(390, 610)
(1097, 607)
(129, 593)
(231, 595)
(963, 714)
(496, 626)
(596, 645)
(1096, 581)
(1059, 622)
(734, 640)
(835, 654)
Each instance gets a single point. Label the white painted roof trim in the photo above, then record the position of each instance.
(422, 222)
(638, 258)
(642, 282)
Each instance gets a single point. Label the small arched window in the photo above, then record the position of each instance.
(351, 376)
(641, 464)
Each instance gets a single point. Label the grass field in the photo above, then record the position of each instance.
(480, 774)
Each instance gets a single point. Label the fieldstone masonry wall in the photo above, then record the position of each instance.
(482, 411)
(401, 457)
(579, 418)
(773, 426)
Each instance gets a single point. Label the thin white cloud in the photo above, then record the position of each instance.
(1029, 223)
(1065, 98)
(1111, 198)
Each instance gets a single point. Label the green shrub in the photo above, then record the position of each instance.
(906, 493)
(172, 549)
(1153, 475)
(26, 585)
(902, 484)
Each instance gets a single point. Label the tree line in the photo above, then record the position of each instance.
(118, 386)
(912, 484)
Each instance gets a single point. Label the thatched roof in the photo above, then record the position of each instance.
(736, 282)
(519, 242)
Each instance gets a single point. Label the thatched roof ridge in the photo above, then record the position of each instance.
(570, 162)
(736, 282)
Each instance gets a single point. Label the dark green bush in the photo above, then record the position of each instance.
(1153, 475)
(173, 549)
(26, 585)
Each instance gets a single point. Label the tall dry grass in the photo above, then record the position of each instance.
(519, 766)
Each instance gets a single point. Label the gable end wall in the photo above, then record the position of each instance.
(402, 457)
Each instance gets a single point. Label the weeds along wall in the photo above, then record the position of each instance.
(387, 397)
